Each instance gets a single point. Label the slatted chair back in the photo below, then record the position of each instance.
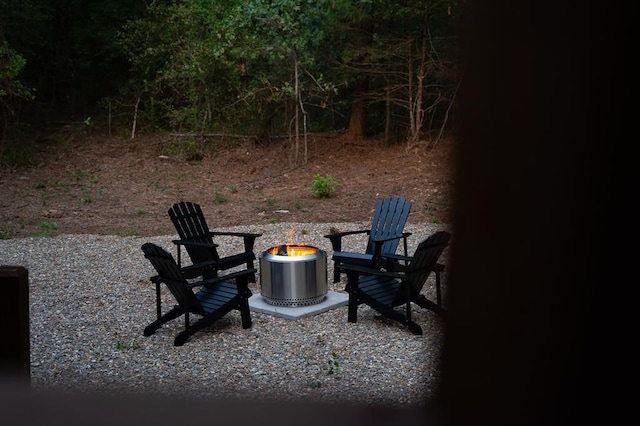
(189, 221)
(390, 218)
(424, 261)
(169, 273)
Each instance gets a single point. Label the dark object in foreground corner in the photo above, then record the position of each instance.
(387, 229)
(386, 290)
(217, 296)
(197, 240)
(14, 304)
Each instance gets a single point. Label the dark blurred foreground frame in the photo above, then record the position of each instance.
(14, 305)
(539, 118)
(543, 196)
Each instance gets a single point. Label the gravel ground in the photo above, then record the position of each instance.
(90, 298)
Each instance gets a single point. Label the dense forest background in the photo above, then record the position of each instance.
(264, 68)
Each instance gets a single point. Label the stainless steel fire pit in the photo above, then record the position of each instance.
(293, 275)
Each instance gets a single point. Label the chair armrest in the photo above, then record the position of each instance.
(362, 259)
(234, 260)
(378, 243)
(395, 237)
(197, 267)
(345, 233)
(363, 270)
(193, 243)
(249, 238)
(398, 257)
(336, 237)
(235, 234)
(227, 277)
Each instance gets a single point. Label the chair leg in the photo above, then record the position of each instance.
(171, 315)
(252, 277)
(336, 245)
(245, 314)
(438, 269)
(181, 338)
(352, 315)
(423, 302)
(156, 281)
(414, 328)
(243, 303)
(352, 289)
(389, 312)
(249, 242)
(151, 328)
(336, 274)
(406, 320)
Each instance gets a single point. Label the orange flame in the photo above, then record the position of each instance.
(292, 248)
(295, 250)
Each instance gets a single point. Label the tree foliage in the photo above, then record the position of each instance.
(12, 91)
(261, 67)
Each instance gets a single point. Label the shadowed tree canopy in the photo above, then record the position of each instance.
(254, 67)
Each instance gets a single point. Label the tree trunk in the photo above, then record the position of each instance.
(358, 117)
(295, 103)
(387, 118)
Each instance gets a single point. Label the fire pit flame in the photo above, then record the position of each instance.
(292, 250)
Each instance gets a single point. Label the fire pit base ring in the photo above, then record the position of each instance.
(293, 275)
(294, 303)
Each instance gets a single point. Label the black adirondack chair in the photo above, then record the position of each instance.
(387, 229)
(198, 241)
(215, 298)
(384, 290)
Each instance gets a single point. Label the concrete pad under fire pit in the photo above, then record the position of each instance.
(257, 303)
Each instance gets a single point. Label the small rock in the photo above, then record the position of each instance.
(52, 214)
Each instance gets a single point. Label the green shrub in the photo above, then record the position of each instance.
(46, 229)
(219, 197)
(322, 186)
